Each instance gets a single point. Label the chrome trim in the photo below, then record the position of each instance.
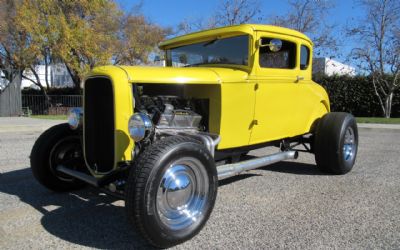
(75, 118)
(139, 132)
(182, 194)
(229, 170)
(349, 145)
(209, 140)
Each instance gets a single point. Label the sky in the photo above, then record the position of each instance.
(169, 13)
(172, 12)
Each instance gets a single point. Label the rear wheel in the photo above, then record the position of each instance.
(336, 143)
(59, 145)
(171, 191)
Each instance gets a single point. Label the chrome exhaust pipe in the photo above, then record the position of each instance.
(229, 170)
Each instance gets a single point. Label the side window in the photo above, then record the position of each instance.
(285, 58)
(304, 57)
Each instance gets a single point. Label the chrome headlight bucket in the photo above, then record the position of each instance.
(75, 118)
(140, 126)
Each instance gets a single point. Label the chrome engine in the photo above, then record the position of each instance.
(171, 112)
(160, 116)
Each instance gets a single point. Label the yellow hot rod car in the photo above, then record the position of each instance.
(161, 137)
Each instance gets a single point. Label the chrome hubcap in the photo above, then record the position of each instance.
(349, 145)
(182, 194)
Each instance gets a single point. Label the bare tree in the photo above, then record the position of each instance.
(233, 12)
(229, 12)
(191, 25)
(378, 52)
(309, 16)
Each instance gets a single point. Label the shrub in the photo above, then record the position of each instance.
(355, 95)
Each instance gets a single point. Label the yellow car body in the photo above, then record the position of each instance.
(161, 138)
(249, 105)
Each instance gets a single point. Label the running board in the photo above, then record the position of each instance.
(229, 170)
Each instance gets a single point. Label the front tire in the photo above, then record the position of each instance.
(57, 145)
(336, 143)
(171, 191)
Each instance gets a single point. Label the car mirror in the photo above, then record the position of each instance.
(274, 45)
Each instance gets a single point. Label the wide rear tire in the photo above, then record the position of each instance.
(336, 143)
(171, 191)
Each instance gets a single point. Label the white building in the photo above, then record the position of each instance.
(331, 67)
(57, 75)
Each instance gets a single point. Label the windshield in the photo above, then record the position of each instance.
(232, 50)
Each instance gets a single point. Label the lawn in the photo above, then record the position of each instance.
(50, 117)
(378, 120)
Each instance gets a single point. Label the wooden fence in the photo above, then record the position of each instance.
(10, 97)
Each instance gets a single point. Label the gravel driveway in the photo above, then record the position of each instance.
(285, 205)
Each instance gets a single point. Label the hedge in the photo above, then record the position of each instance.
(355, 95)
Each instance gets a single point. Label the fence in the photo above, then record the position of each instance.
(50, 105)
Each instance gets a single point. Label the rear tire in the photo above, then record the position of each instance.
(336, 143)
(171, 191)
(57, 145)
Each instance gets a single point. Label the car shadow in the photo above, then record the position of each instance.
(287, 167)
(290, 167)
(86, 217)
(236, 178)
(90, 218)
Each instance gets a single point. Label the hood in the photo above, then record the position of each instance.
(190, 75)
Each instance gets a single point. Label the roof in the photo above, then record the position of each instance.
(235, 29)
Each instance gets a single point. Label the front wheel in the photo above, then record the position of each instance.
(171, 191)
(336, 143)
(59, 145)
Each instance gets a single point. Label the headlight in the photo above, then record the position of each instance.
(140, 126)
(75, 118)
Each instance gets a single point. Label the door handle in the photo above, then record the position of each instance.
(299, 78)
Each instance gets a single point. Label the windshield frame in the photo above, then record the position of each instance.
(168, 60)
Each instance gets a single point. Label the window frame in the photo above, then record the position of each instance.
(250, 58)
(284, 40)
(308, 57)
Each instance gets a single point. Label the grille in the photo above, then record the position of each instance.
(99, 124)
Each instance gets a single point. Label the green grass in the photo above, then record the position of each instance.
(50, 117)
(378, 120)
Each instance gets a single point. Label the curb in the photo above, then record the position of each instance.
(15, 129)
(376, 126)
(26, 125)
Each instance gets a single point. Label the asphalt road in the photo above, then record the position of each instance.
(286, 205)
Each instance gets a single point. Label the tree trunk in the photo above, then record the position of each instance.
(39, 84)
(75, 77)
(46, 69)
(388, 105)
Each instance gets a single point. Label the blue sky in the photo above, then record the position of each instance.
(169, 13)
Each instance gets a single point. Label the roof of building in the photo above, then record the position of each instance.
(235, 29)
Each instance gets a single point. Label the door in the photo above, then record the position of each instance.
(277, 106)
